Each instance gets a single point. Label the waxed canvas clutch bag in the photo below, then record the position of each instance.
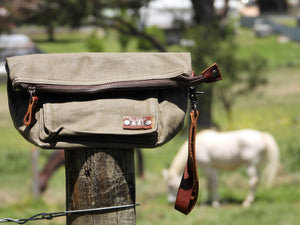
(89, 100)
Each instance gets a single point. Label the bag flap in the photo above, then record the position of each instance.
(96, 68)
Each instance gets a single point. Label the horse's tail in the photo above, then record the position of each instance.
(273, 155)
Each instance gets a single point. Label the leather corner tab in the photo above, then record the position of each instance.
(212, 74)
(137, 123)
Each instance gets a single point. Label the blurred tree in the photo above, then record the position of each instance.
(204, 12)
(5, 23)
(204, 16)
(214, 38)
(145, 44)
(126, 24)
(272, 6)
(241, 75)
(105, 13)
(123, 38)
(48, 13)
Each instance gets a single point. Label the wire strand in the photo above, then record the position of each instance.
(50, 216)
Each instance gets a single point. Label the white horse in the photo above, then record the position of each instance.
(225, 151)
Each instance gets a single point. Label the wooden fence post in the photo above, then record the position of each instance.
(98, 178)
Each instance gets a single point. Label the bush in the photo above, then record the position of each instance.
(94, 42)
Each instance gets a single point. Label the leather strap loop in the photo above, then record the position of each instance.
(189, 186)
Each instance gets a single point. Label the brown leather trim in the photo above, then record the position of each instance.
(212, 74)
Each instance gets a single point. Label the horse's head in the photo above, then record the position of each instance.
(173, 182)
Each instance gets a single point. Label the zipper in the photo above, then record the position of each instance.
(29, 118)
(179, 81)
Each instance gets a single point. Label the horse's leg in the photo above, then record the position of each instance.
(212, 186)
(56, 160)
(253, 181)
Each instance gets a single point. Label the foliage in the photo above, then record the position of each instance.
(36, 11)
(119, 15)
(240, 75)
(49, 13)
(124, 39)
(94, 42)
(146, 45)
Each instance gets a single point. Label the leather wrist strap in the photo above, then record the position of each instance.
(189, 186)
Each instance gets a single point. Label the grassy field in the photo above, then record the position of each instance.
(274, 108)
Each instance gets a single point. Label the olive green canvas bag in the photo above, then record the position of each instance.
(89, 100)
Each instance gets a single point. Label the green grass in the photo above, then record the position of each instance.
(274, 108)
(76, 42)
(277, 54)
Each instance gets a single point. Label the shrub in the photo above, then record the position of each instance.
(94, 42)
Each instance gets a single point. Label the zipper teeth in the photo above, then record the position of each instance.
(93, 89)
(116, 86)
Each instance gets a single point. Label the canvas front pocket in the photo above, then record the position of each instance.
(128, 115)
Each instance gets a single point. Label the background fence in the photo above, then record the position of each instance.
(293, 33)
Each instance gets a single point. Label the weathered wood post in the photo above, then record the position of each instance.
(97, 178)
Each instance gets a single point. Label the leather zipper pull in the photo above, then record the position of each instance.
(29, 118)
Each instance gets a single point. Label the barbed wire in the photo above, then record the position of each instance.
(50, 216)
